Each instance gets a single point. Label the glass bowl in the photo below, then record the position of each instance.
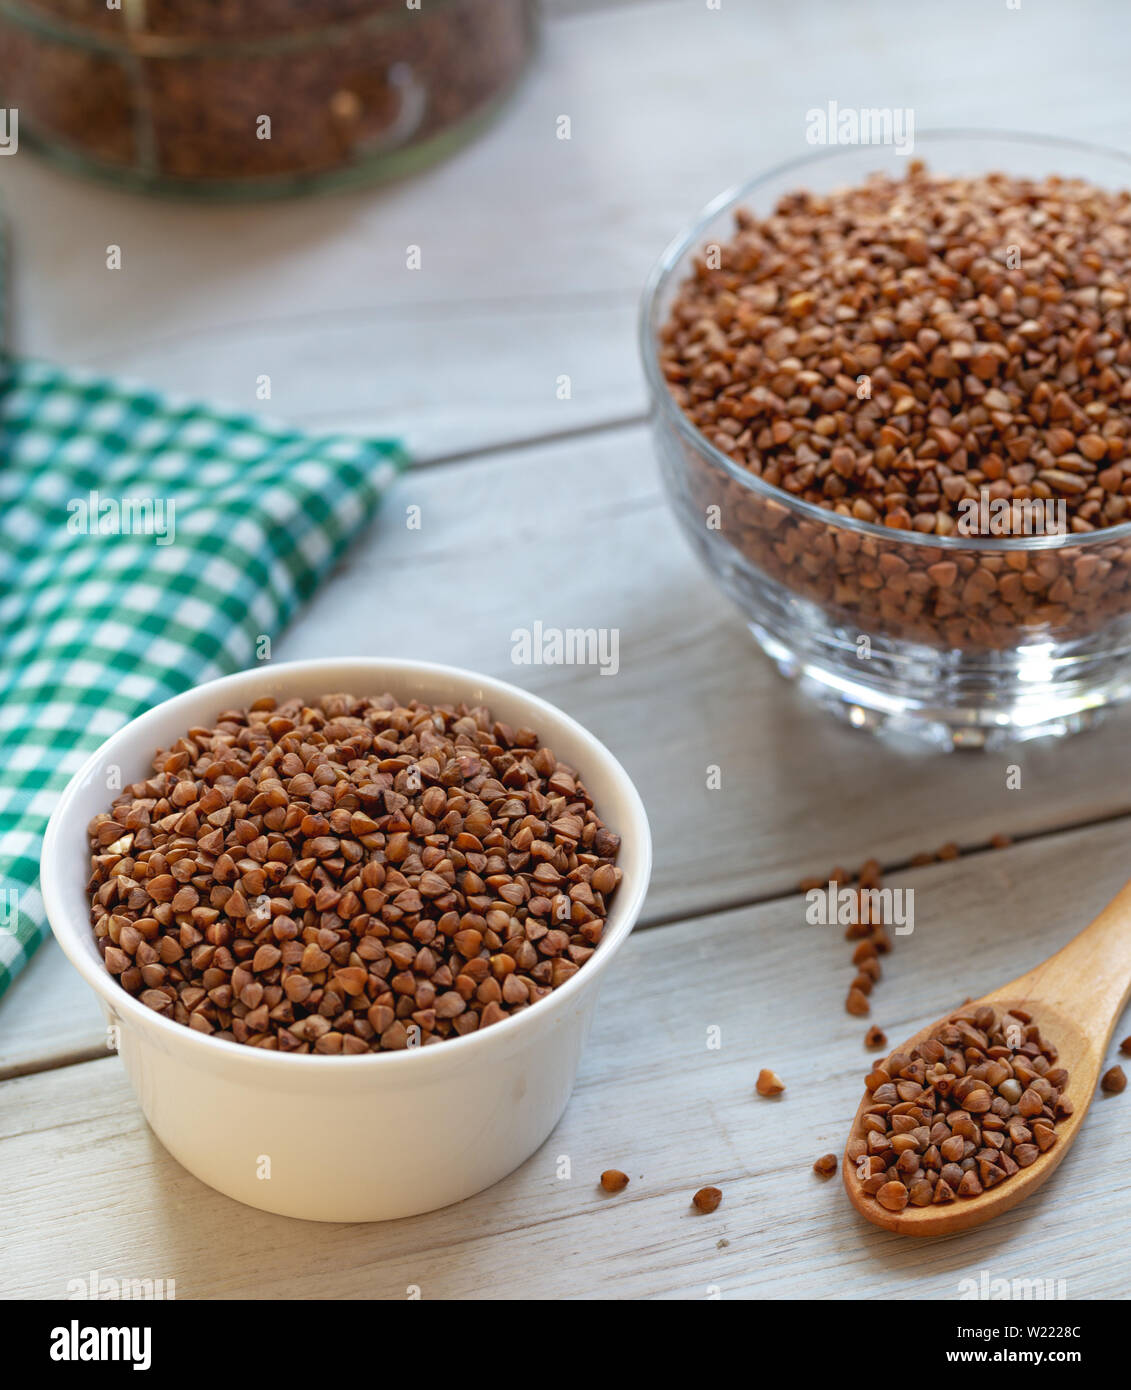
(253, 98)
(961, 641)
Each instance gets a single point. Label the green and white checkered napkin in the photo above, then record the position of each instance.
(145, 546)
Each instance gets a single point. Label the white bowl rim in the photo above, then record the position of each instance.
(70, 935)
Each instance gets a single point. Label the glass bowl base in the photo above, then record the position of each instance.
(912, 714)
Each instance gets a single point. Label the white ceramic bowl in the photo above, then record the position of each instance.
(368, 1137)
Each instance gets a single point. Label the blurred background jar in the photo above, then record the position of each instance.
(251, 98)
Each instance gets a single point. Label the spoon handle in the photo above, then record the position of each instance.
(1090, 977)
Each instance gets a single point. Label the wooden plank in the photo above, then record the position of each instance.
(49, 1018)
(534, 248)
(655, 1100)
(576, 534)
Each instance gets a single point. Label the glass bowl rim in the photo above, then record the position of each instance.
(670, 264)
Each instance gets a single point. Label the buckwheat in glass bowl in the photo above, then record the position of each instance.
(910, 457)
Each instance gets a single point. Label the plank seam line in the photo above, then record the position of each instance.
(534, 441)
(897, 866)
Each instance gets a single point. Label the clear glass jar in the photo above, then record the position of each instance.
(959, 641)
(249, 98)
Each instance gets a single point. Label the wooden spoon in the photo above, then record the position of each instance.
(1075, 999)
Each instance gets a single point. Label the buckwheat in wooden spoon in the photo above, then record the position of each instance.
(980, 1100)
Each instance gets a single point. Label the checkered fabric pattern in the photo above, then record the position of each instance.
(145, 546)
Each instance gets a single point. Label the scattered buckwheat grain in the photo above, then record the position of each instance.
(613, 1180)
(769, 1083)
(707, 1199)
(1114, 1080)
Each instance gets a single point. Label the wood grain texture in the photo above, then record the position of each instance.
(655, 1100)
(49, 1018)
(534, 249)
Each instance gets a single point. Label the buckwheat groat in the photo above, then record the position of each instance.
(898, 353)
(350, 876)
(960, 1113)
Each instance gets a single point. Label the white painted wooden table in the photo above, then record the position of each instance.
(534, 250)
